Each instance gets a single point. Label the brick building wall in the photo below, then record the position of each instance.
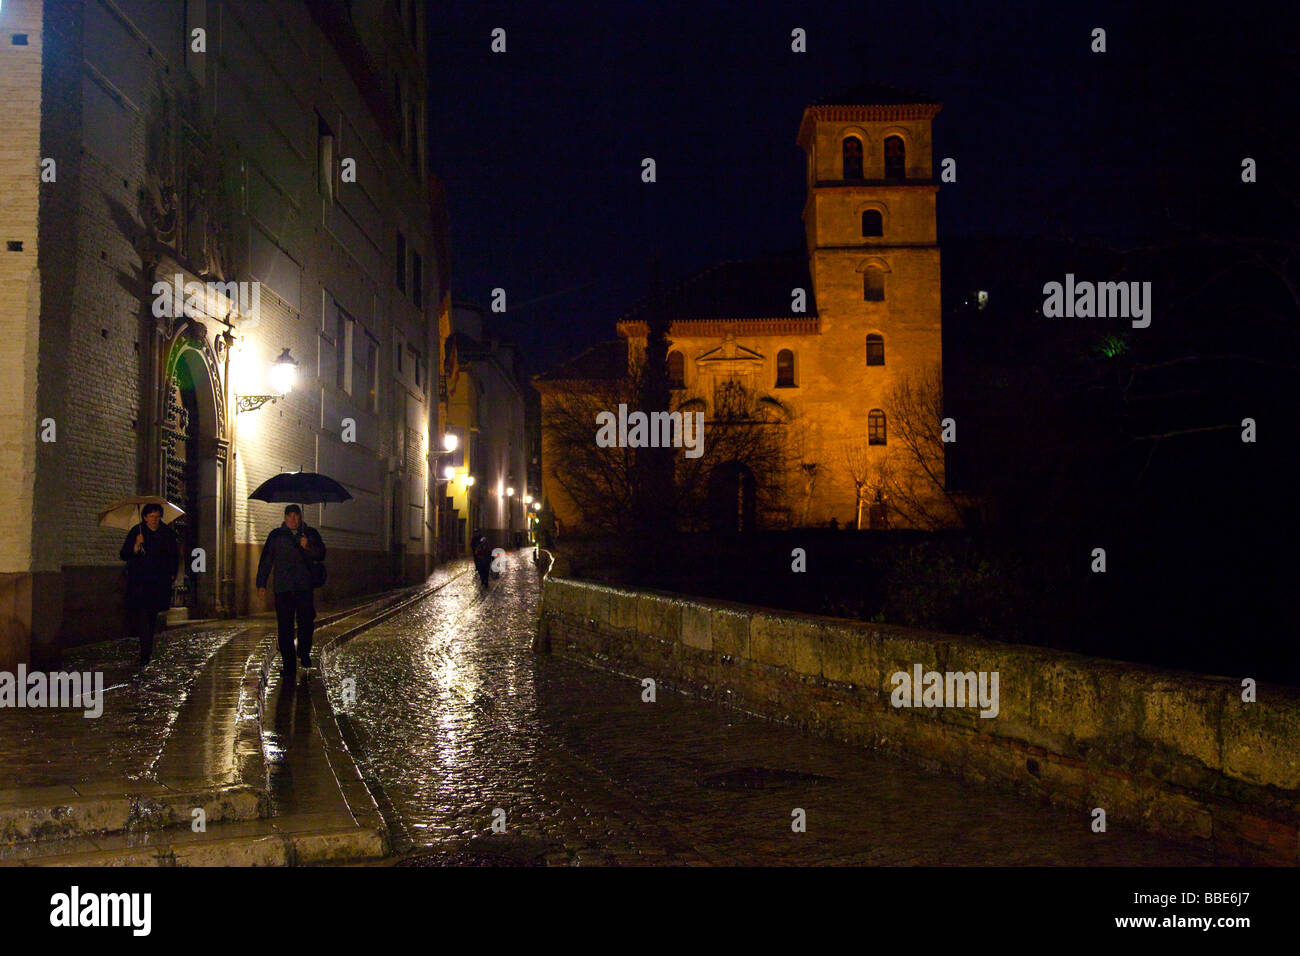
(21, 596)
(120, 99)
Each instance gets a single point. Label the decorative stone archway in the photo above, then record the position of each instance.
(193, 465)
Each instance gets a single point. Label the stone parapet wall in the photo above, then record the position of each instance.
(1179, 754)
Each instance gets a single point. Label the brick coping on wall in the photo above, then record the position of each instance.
(1179, 753)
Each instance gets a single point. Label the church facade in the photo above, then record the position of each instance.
(813, 349)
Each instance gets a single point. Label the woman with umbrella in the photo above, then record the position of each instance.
(152, 555)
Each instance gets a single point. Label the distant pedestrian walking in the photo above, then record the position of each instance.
(293, 552)
(478, 543)
(152, 555)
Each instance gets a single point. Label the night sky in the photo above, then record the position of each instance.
(541, 147)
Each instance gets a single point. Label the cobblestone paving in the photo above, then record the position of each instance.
(61, 746)
(459, 717)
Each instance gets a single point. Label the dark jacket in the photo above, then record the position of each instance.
(149, 576)
(288, 558)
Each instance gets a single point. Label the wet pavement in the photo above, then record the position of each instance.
(209, 725)
(46, 747)
(462, 724)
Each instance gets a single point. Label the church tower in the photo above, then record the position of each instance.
(873, 251)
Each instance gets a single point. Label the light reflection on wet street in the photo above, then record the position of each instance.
(459, 717)
(53, 746)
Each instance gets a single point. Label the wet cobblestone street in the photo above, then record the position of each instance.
(459, 717)
(52, 746)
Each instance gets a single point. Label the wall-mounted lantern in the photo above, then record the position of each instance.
(284, 372)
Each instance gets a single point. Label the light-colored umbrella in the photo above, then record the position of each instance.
(125, 514)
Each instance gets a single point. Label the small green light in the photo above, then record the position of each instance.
(1112, 346)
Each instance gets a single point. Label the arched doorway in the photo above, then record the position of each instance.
(193, 456)
(732, 505)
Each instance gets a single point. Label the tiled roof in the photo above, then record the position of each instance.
(737, 289)
(604, 360)
(875, 94)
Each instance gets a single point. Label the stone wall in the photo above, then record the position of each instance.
(1178, 753)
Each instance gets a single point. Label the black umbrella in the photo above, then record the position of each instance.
(303, 487)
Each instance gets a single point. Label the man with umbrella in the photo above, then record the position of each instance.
(152, 555)
(289, 551)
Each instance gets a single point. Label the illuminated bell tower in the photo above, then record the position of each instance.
(873, 251)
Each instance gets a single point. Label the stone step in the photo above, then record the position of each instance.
(39, 814)
(301, 840)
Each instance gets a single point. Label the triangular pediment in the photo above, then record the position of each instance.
(730, 353)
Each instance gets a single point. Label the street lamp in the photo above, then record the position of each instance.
(449, 472)
(537, 506)
(284, 371)
(450, 441)
(510, 492)
(469, 480)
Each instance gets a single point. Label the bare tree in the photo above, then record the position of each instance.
(604, 483)
(806, 459)
(915, 479)
(868, 470)
(601, 482)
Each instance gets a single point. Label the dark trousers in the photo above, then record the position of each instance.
(143, 622)
(288, 606)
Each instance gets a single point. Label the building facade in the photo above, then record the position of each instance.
(807, 349)
(487, 486)
(204, 191)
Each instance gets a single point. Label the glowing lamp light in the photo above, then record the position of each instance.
(449, 473)
(537, 506)
(510, 492)
(469, 480)
(449, 442)
(284, 371)
(528, 499)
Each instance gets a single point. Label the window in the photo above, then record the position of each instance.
(875, 427)
(342, 348)
(852, 157)
(415, 364)
(359, 387)
(785, 369)
(413, 137)
(895, 158)
(417, 280)
(676, 370)
(875, 349)
(325, 158)
(873, 284)
(372, 371)
(401, 260)
(873, 223)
